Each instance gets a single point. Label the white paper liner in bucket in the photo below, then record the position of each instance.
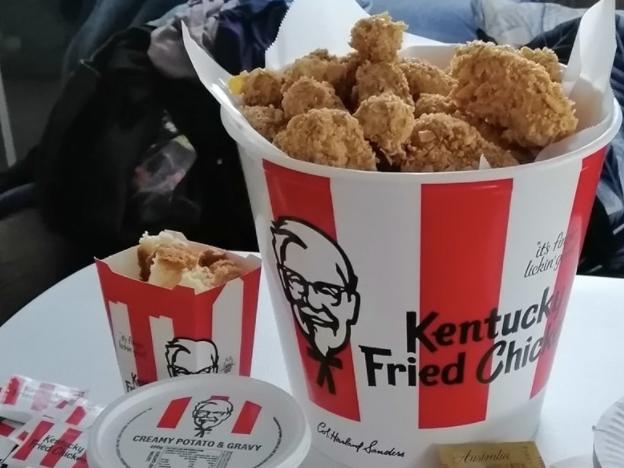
(213, 421)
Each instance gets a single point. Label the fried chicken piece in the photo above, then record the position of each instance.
(262, 88)
(148, 246)
(495, 135)
(434, 103)
(307, 93)
(205, 278)
(352, 62)
(509, 91)
(327, 136)
(267, 120)
(386, 121)
(168, 265)
(438, 104)
(424, 77)
(168, 259)
(223, 271)
(211, 255)
(546, 58)
(374, 79)
(198, 278)
(321, 66)
(378, 38)
(440, 142)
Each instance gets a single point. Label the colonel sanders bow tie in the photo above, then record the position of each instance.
(325, 373)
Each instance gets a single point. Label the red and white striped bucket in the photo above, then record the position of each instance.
(416, 308)
(160, 333)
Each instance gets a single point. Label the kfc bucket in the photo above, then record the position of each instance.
(419, 308)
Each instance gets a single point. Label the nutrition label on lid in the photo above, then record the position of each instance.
(173, 457)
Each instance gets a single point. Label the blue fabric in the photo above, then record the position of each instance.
(246, 31)
(442, 20)
(517, 22)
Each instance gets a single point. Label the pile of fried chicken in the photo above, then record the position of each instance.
(372, 110)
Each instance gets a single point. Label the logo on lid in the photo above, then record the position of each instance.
(210, 413)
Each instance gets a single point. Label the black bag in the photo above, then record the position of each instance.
(108, 119)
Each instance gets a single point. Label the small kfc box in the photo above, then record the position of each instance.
(177, 307)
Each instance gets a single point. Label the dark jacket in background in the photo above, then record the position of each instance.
(111, 112)
(603, 253)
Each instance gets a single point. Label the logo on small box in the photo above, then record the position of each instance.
(189, 357)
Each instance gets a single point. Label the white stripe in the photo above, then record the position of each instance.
(122, 338)
(541, 204)
(227, 324)
(162, 333)
(378, 227)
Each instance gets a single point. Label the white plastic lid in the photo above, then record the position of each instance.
(609, 438)
(575, 462)
(207, 421)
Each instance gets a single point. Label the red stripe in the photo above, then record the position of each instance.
(82, 461)
(12, 391)
(187, 311)
(301, 196)
(173, 414)
(76, 416)
(60, 447)
(251, 285)
(43, 396)
(5, 429)
(198, 325)
(247, 418)
(222, 398)
(309, 198)
(37, 434)
(142, 345)
(577, 227)
(22, 436)
(464, 230)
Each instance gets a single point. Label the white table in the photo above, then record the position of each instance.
(63, 336)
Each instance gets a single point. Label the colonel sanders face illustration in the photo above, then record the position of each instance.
(186, 357)
(210, 413)
(319, 283)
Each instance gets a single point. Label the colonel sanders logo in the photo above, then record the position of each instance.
(187, 357)
(210, 413)
(320, 285)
